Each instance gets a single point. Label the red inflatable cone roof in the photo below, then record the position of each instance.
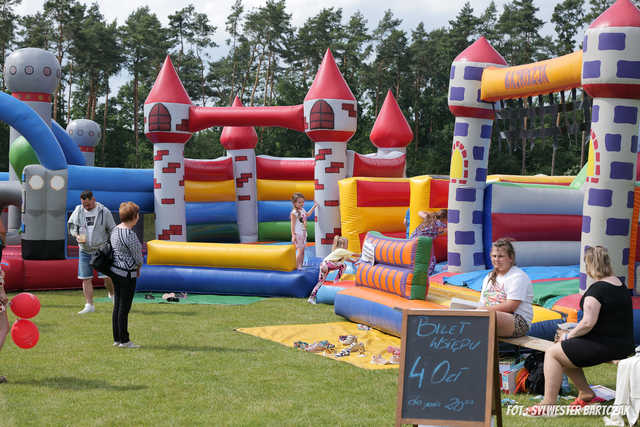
(329, 83)
(481, 51)
(168, 87)
(238, 137)
(621, 14)
(391, 129)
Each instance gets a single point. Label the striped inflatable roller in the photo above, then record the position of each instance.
(400, 267)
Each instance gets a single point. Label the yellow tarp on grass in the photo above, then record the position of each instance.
(375, 342)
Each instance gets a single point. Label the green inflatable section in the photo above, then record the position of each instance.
(219, 233)
(280, 231)
(579, 180)
(21, 154)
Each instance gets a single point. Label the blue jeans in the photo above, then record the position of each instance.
(85, 271)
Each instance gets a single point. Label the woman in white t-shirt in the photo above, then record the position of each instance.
(508, 291)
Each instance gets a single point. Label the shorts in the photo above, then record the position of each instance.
(85, 271)
(520, 326)
(301, 239)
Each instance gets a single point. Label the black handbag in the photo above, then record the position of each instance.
(102, 259)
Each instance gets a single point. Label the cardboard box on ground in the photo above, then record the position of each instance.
(509, 369)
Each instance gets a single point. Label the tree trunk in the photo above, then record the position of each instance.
(90, 98)
(56, 93)
(135, 114)
(104, 122)
(267, 79)
(244, 77)
(202, 84)
(4, 55)
(582, 150)
(255, 81)
(70, 87)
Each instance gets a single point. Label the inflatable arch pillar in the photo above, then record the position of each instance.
(469, 155)
(611, 75)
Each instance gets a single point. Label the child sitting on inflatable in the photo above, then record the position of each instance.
(334, 261)
(432, 225)
(299, 226)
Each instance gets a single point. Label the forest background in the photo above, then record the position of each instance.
(269, 61)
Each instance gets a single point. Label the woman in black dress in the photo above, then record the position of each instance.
(605, 333)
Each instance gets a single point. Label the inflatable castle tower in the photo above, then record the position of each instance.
(330, 114)
(31, 75)
(86, 135)
(166, 117)
(611, 75)
(240, 143)
(469, 155)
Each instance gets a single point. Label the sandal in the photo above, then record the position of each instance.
(319, 346)
(540, 411)
(357, 347)
(579, 403)
(301, 345)
(347, 339)
(378, 359)
(344, 352)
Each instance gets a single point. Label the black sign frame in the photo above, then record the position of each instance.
(490, 393)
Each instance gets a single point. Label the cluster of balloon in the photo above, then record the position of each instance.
(24, 332)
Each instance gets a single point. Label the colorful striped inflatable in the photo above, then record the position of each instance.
(400, 266)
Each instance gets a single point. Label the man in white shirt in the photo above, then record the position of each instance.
(90, 224)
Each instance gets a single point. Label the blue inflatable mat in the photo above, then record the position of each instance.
(473, 279)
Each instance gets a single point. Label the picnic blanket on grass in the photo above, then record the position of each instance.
(375, 342)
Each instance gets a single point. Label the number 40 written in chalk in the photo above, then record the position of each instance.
(441, 373)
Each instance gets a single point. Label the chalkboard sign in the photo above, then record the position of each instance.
(447, 368)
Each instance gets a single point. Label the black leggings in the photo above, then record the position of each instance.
(124, 289)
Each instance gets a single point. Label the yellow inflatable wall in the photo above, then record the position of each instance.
(279, 189)
(209, 191)
(357, 220)
(221, 255)
(420, 189)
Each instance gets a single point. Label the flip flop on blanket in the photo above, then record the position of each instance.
(579, 403)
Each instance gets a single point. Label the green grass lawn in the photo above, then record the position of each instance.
(194, 369)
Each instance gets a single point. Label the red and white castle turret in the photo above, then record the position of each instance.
(391, 131)
(391, 134)
(330, 113)
(240, 142)
(469, 155)
(166, 124)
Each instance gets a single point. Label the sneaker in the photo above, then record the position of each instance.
(312, 300)
(88, 308)
(116, 343)
(3, 379)
(128, 344)
(110, 297)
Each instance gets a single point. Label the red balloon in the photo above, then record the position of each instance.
(24, 333)
(25, 305)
